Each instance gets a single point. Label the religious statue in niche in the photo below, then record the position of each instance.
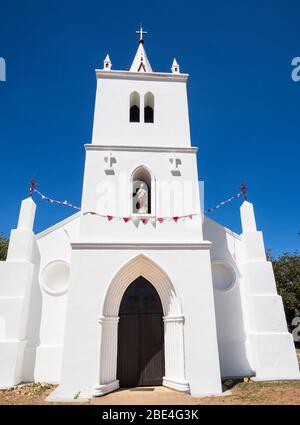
(140, 198)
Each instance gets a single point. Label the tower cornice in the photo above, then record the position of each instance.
(129, 75)
(95, 147)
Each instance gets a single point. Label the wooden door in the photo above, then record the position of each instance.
(140, 336)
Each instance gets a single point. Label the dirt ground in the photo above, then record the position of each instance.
(272, 392)
(249, 392)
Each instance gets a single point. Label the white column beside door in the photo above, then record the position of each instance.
(174, 354)
(108, 356)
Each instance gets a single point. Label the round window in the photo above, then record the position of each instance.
(223, 276)
(55, 277)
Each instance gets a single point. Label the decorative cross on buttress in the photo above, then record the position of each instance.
(32, 186)
(175, 161)
(243, 190)
(109, 160)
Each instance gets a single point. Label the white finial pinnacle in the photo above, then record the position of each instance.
(107, 63)
(175, 67)
(27, 214)
(247, 217)
(141, 62)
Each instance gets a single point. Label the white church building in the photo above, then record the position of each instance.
(139, 287)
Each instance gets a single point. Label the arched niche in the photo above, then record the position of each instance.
(142, 190)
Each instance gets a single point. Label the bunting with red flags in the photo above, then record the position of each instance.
(33, 189)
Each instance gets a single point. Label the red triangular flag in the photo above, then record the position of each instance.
(160, 219)
(191, 216)
(126, 219)
(175, 219)
(145, 220)
(110, 217)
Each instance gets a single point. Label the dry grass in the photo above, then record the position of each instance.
(273, 392)
(26, 394)
(34, 393)
(269, 392)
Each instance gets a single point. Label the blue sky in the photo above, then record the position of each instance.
(244, 106)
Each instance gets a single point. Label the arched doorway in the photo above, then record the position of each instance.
(140, 360)
(173, 319)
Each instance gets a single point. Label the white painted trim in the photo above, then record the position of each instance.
(141, 265)
(96, 147)
(110, 319)
(230, 232)
(182, 386)
(179, 319)
(100, 390)
(140, 245)
(129, 75)
(57, 225)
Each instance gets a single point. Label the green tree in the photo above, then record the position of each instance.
(287, 275)
(3, 247)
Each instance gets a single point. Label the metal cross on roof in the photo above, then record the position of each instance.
(141, 33)
(244, 189)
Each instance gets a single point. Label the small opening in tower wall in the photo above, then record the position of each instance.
(148, 114)
(149, 108)
(134, 112)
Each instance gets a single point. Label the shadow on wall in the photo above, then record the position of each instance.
(228, 302)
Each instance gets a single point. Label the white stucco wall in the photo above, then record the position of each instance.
(111, 118)
(232, 338)
(49, 315)
(189, 272)
(53, 245)
(116, 189)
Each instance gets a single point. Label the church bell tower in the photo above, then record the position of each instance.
(141, 219)
(141, 133)
(139, 288)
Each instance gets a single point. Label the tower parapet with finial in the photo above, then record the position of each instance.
(141, 61)
(107, 63)
(175, 67)
(143, 90)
